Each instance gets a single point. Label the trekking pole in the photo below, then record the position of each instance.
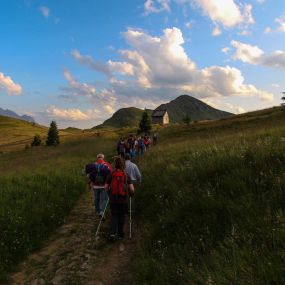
(130, 217)
(101, 218)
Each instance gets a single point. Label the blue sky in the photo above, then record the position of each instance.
(77, 62)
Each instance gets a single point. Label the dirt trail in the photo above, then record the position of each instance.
(73, 256)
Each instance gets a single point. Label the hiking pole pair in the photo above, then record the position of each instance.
(102, 218)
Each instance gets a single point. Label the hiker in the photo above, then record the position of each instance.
(146, 142)
(97, 175)
(141, 146)
(136, 147)
(119, 186)
(132, 170)
(128, 146)
(121, 147)
(132, 146)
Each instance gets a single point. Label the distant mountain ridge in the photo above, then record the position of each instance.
(11, 114)
(185, 105)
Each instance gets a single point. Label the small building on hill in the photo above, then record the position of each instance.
(160, 117)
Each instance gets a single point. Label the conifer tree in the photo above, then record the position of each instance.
(145, 123)
(36, 141)
(52, 138)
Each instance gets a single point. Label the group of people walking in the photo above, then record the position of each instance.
(134, 146)
(115, 185)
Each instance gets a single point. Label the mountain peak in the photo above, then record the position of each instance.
(11, 114)
(185, 105)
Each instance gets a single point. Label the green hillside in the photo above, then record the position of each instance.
(15, 131)
(16, 134)
(185, 105)
(125, 117)
(212, 203)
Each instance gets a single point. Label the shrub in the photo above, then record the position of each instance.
(36, 141)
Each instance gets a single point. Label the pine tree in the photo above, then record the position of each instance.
(145, 123)
(37, 141)
(52, 138)
(187, 120)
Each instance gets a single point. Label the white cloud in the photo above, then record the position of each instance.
(77, 87)
(226, 50)
(189, 25)
(161, 63)
(88, 61)
(281, 22)
(245, 52)
(8, 85)
(45, 11)
(121, 67)
(275, 85)
(103, 99)
(235, 109)
(216, 32)
(68, 114)
(244, 33)
(267, 30)
(226, 12)
(254, 55)
(156, 6)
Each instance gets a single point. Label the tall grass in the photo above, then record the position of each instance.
(38, 189)
(213, 208)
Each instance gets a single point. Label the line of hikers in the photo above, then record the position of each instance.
(135, 146)
(115, 185)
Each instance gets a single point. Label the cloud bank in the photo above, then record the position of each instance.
(153, 70)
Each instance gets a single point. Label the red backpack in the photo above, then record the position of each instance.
(119, 184)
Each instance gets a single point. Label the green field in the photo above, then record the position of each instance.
(211, 207)
(39, 187)
(212, 204)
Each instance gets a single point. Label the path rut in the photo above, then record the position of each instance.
(73, 256)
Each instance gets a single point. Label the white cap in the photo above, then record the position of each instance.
(100, 155)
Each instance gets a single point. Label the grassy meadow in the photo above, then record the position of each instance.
(39, 186)
(211, 207)
(212, 203)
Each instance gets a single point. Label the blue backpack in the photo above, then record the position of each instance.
(97, 173)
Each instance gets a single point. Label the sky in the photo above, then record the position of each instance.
(77, 62)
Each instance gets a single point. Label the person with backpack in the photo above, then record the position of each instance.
(119, 186)
(97, 174)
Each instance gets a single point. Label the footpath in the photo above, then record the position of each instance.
(73, 256)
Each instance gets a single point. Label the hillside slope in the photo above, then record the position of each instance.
(15, 130)
(125, 117)
(185, 105)
(212, 203)
(15, 133)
